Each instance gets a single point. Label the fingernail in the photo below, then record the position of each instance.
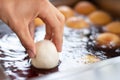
(30, 53)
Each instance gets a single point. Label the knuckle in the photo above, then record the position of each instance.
(62, 18)
(61, 21)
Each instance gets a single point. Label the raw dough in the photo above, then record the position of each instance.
(47, 56)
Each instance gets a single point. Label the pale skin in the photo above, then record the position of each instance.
(20, 15)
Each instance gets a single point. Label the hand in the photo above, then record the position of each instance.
(20, 15)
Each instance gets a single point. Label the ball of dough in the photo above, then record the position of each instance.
(77, 23)
(66, 11)
(38, 22)
(108, 39)
(113, 27)
(100, 18)
(47, 56)
(84, 7)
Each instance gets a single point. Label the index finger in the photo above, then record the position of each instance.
(55, 20)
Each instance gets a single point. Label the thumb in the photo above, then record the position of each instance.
(26, 39)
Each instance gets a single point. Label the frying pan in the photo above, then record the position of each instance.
(104, 70)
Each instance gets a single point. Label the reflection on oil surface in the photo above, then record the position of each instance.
(76, 45)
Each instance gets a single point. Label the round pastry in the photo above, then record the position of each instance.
(108, 40)
(47, 56)
(38, 22)
(89, 58)
(84, 7)
(100, 18)
(66, 11)
(77, 23)
(113, 27)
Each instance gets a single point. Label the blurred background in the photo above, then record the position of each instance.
(111, 6)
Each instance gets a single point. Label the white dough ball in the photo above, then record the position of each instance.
(47, 56)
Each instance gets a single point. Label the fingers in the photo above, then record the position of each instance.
(54, 25)
(48, 35)
(24, 35)
(58, 40)
(58, 36)
(55, 22)
(32, 29)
